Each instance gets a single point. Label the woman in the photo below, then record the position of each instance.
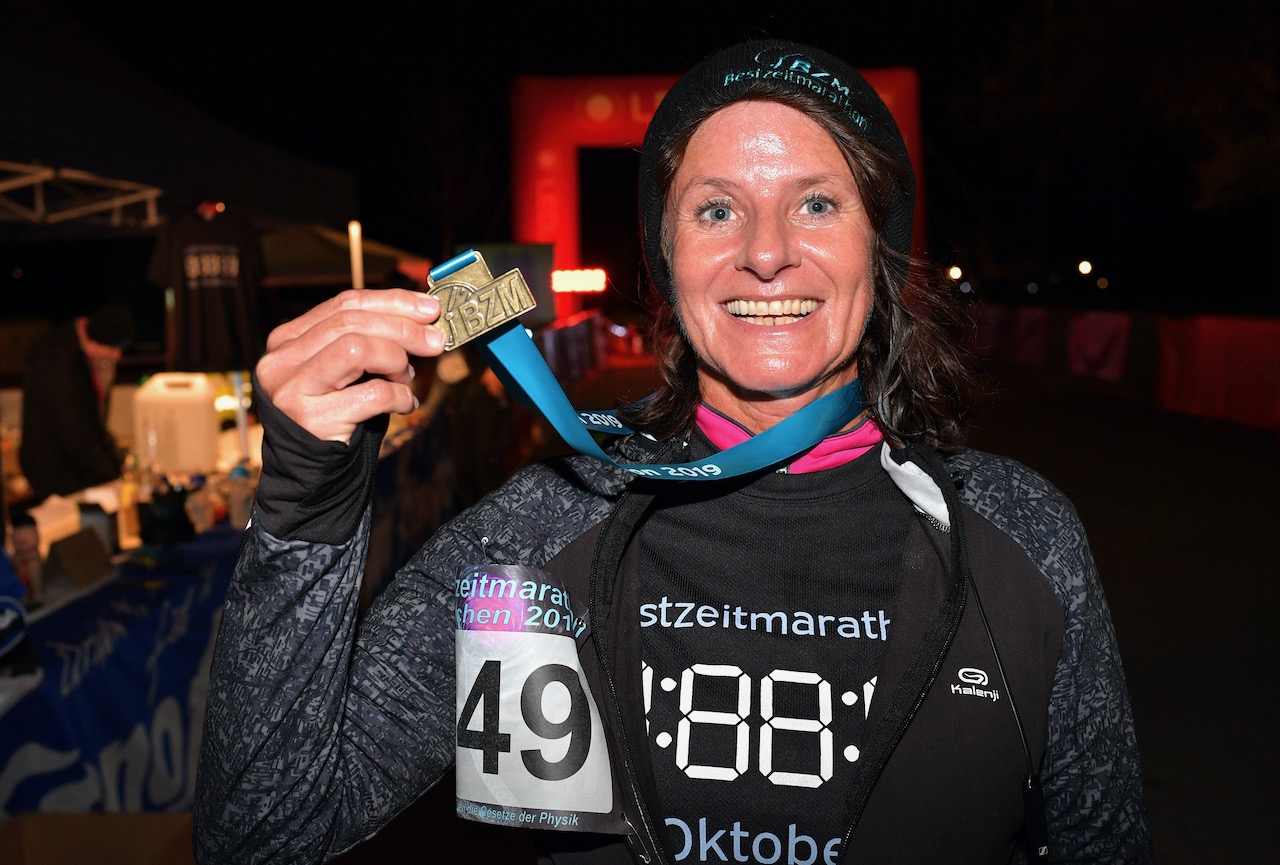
(851, 648)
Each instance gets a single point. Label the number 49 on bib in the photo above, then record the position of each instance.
(529, 737)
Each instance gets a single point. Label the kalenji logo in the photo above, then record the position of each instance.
(974, 679)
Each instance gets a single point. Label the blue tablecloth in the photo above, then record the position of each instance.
(111, 722)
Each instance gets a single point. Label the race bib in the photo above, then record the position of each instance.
(531, 749)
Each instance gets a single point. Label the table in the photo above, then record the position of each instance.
(112, 720)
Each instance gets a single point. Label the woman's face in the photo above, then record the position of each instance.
(771, 257)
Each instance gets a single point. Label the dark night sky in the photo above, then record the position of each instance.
(1143, 136)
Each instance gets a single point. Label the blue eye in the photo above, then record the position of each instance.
(716, 210)
(817, 205)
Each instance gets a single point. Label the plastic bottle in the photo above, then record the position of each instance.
(128, 524)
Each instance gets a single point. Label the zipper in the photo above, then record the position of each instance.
(643, 840)
(957, 574)
(636, 841)
(902, 727)
(938, 524)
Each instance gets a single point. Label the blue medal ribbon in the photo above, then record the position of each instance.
(523, 371)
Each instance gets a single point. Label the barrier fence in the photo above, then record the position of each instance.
(1221, 367)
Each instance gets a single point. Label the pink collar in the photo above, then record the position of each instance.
(830, 452)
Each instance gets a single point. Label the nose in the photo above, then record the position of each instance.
(767, 247)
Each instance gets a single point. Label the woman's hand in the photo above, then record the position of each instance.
(347, 360)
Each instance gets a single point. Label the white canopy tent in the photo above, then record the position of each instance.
(48, 196)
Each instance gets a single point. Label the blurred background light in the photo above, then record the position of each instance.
(585, 280)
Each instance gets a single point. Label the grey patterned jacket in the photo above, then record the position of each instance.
(322, 725)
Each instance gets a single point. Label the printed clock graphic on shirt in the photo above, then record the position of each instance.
(719, 723)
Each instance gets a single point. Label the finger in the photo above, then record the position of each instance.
(347, 382)
(335, 364)
(334, 416)
(411, 334)
(347, 339)
(414, 305)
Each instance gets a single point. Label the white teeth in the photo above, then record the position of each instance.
(771, 312)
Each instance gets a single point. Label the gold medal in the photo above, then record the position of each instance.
(472, 302)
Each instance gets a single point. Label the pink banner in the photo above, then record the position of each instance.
(1221, 367)
(1098, 344)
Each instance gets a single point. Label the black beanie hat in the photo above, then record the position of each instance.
(112, 325)
(721, 79)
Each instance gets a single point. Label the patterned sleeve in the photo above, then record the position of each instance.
(310, 745)
(1092, 773)
(321, 724)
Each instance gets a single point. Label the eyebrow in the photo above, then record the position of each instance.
(828, 177)
(808, 180)
(725, 184)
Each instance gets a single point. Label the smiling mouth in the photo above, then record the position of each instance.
(769, 313)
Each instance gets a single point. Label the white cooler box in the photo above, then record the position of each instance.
(175, 423)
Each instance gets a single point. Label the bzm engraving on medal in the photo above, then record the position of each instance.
(472, 302)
